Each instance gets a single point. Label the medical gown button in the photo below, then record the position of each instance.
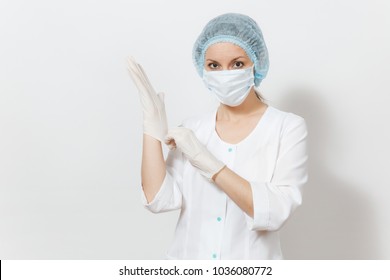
(230, 149)
(219, 219)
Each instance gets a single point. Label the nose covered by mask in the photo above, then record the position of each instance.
(231, 87)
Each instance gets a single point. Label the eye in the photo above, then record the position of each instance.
(213, 65)
(238, 64)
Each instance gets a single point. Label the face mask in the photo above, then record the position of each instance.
(231, 87)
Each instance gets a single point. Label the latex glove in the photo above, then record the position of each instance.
(198, 155)
(153, 107)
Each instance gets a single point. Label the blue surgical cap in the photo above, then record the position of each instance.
(240, 30)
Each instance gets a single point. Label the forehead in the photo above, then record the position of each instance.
(224, 51)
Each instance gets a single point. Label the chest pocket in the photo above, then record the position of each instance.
(260, 165)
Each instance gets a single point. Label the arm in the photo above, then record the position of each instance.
(275, 201)
(267, 205)
(166, 195)
(237, 188)
(154, 127)
(159, 193)
(153, 167)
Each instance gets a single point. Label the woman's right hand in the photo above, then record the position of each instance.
(153, 107)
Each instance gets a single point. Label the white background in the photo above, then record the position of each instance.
(71, 134)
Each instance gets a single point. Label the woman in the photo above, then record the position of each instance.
(237, 172)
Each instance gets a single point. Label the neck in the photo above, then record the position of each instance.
(251, 105)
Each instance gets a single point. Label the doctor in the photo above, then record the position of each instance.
(236, 173)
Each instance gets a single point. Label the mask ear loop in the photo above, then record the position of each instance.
(257, 91)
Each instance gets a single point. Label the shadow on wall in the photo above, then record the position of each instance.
(335, 221)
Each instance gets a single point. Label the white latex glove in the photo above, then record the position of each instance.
(154, 116)
(198, 155)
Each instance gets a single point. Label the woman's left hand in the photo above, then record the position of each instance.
(198, 155)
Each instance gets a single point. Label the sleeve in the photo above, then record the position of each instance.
(169, 197)
(275, 201)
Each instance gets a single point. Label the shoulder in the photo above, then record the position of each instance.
(285, 121)
(286, 118)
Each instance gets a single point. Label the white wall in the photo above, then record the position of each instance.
(70, 120)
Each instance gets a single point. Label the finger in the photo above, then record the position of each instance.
(146, 100)
(170, 143)
(132, 64)
(146, 79)
(168, 139)
(171, 147)
(135, 75)
(142, 82)
(138, 71)
(137, 81)
(147, 94)
(175, 134)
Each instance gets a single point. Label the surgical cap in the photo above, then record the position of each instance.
(240, 30)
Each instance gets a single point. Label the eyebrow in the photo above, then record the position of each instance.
(231, 60)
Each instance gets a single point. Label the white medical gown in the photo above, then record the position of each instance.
(273, 158)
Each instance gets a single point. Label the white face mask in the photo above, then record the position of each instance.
(231, 87)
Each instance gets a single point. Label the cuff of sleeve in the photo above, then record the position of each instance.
(261, 212)
(160, 199)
